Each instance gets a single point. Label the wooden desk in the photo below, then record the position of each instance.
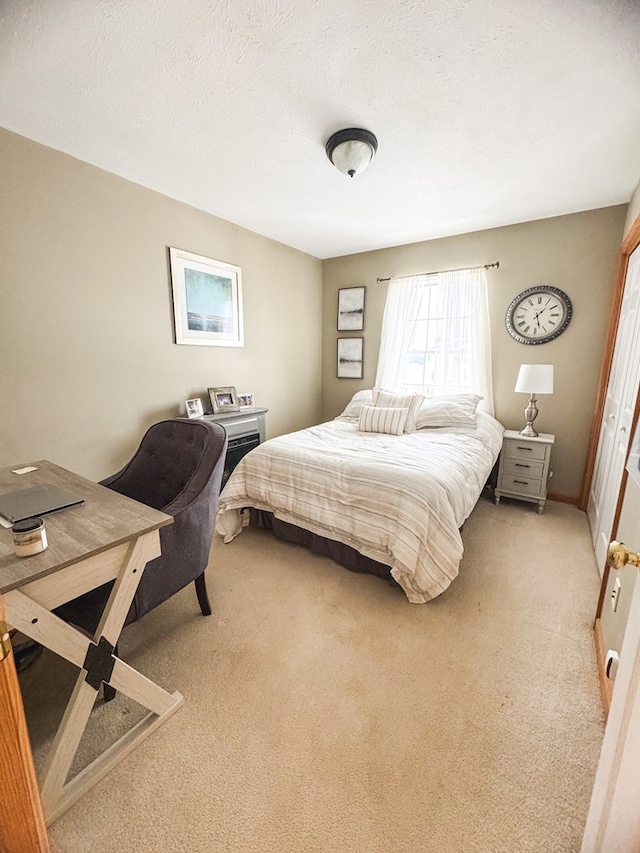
(109, 537)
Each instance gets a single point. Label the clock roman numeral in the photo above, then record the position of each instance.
(527, 329)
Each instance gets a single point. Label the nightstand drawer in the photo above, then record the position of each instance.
(515, 449)
(520, 484)
(523, 468)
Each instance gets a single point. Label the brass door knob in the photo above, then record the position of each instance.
(618, 555)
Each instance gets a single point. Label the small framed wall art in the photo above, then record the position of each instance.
(194, 408)
(207, 300)
(350, 358)
(224, 399)
(351, 309)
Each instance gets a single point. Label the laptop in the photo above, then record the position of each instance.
(39, 500)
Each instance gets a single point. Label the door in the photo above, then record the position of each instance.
(613, 822)
(21, 820)
(620, 399)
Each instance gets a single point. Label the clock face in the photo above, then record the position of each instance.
(538, 315)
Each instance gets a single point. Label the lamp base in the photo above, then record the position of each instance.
(530, 413)
(529, 431)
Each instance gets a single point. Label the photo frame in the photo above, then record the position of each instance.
(194, 408)
(207, 300)
(245, 400)
(223, 399)
(350, 358)
(351, 309)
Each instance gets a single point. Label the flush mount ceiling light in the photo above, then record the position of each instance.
(351, 150)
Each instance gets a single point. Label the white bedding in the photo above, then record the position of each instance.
(397, 499)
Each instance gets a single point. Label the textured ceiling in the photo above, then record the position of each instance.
(487, 112)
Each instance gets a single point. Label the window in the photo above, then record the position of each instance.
(435, 335)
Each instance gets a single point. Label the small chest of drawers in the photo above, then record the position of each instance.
(525, 467)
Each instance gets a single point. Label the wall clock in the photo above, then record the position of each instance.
(538, 315)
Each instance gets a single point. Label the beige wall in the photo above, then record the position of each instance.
(86, 347)
(577, 253)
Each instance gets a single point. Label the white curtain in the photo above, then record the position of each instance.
(443, 320)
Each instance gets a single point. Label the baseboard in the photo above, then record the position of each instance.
(563, 499)
(606, 685)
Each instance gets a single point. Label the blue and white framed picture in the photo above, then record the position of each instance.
(207, 300)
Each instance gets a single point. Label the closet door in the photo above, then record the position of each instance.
(619, 406)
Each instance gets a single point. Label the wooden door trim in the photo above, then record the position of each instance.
(629, 244)
(22, 825)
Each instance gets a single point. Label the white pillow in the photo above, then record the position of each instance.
(400, 401)
(448, 410)
(355, 404)
(388, 420)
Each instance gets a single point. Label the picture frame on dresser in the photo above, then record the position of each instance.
(194, 408)
(207, 300)
(245, 400)
(223, 399)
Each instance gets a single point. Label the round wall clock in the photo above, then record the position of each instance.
(538, 315)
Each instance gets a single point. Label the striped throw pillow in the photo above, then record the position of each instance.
(390, 421)
(410, 401)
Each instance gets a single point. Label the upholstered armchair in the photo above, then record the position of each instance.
(177, 469)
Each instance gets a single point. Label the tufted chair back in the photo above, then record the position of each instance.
(177, 469)
(170, 455)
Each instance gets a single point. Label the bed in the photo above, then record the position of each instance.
(395, 501)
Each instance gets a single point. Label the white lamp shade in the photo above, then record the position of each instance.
(535, 379)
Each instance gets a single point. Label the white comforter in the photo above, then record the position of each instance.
(397, 499)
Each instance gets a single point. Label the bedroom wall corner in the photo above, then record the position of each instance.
(577, 253)
(86, 337)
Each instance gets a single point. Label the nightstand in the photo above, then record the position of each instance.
(525, 467)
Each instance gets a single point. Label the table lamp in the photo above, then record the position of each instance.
(533, 379)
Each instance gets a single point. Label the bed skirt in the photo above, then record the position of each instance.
(342, 554)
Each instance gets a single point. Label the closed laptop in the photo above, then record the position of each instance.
(39, 500)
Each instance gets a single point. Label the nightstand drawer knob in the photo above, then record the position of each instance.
(522, 465)
(529, 449)
(522, 482)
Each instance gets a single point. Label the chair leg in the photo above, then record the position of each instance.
(203, 598)
(108, 691)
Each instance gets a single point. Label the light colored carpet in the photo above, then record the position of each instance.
(324, 713)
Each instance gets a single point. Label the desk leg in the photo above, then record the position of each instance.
(97, 664)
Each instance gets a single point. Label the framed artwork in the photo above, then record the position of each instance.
(351, 309)
(223, 399)
(350, 353)
(207, 300)
(245, 400)
(194, 408)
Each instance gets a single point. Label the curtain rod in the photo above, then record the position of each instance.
(495, 264)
